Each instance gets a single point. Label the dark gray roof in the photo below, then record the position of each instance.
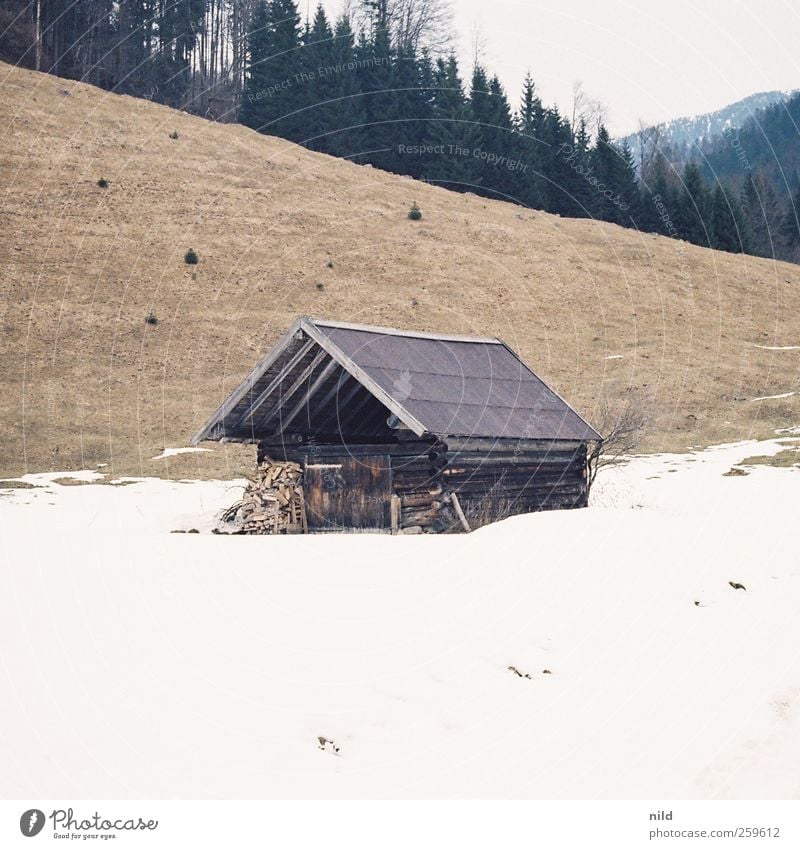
(326, 376)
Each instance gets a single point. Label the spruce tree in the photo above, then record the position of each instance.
(376, 77)
(790, 228)
(448, 127)
(564, 183)
(761, 214)
(317, 82)
(479, 127)
(658, 205)
(726, 223)
(627, 188)
(286, 64)
(528, 122)
(346, 134)
(693, 207)
(604, 161)
(254, 110)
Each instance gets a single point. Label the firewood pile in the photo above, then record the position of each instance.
(432, 512)
(272, 502)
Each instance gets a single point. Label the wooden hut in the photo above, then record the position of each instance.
(397, 429)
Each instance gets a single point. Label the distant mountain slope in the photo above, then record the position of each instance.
(681, 134)
(597, 310)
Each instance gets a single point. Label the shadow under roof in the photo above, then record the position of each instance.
(435, 384)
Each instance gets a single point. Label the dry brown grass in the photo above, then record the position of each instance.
(788, 458)
(87, 381)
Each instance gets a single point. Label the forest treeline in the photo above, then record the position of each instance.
(379, 86)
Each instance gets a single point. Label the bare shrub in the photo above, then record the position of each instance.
(485, 511)
(621, 425)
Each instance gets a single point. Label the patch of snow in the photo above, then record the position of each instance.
(790, 430)
(171, 452)
(184, 654)
(774, 397)
(778, 347)
(614, 357)
(42, 478)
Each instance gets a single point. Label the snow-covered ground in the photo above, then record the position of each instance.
(140, 663)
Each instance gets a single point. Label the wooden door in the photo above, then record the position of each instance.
(346, 493)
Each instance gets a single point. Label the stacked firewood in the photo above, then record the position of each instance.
(272, 502)
(432, 511)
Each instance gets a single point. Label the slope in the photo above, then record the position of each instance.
(597, 310)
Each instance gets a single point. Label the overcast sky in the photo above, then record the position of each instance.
(647, 59)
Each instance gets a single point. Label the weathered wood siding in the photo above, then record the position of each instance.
(343, 493)
(509, 480)
(492, 478)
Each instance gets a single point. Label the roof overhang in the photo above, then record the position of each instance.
(300, 380)
(335, 379)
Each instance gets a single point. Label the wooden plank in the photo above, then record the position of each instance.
(303, 517)
(247, 384)
(386, 399)
(285, 396)
(343, 405)
(321, 378)
(393, 331)
(275, 382)
(355, 495)
(399, 451)
(509, 445)
(337, 387)
(422, 499)
(460, 513)
(394, 507)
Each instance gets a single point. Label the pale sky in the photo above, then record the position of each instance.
(651, 59)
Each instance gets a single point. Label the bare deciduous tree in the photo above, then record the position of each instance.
(414, 25)
(421, 25)
(478, 44)
(649, 138)
(621, 427)
(587, 109)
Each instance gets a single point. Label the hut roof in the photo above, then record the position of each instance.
(328, 377)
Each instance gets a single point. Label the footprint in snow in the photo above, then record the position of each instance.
(327, 745)
(518, 673)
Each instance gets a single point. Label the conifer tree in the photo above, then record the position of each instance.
(318, 82)
(658, 204)
(693, 207)
(790, 228)
(563, 180)
(604, 161)
(376, 77)
(479, 128)
(345, 92)
(726, 225)
(528, 122)
(286, 64)
(627, 188)
(254, 111)
(448, 127)
(759, 211)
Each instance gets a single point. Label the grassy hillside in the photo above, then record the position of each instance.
(595, 309)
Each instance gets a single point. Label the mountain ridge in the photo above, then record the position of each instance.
(684, 132)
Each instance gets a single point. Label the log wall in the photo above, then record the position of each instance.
(491, 478)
